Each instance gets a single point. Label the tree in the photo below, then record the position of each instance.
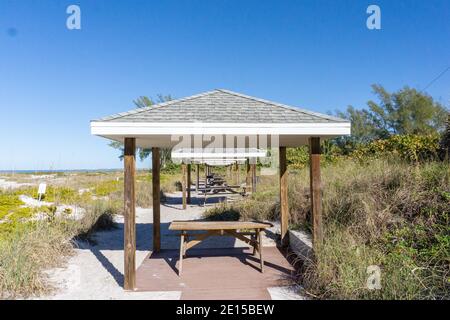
(406, 111)
(146, 102)
(445, 141)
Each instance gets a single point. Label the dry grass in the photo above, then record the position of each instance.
(41, 245)
(27, 248)
(386, 213)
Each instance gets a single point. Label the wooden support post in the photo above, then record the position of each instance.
(197, 183)
(248, 178)
(206, 184)
(129, 214)
(156, 167)
(238, 176)
(188, 183)
(253, 177)
(284, 204)
(183, 184)
(315, 190)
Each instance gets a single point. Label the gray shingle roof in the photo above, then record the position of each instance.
(221, 106)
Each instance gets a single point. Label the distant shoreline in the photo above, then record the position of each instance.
(59, 171)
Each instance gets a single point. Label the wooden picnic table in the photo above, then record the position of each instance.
(219, 228)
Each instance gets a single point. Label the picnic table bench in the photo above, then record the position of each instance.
(217, 188)
(219, 228)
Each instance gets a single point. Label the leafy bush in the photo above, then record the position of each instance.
(60, 194)
(297, 158)
(412, 148)
(99, 216)
(222, 212)
(105, 188)
(171, 168)
(8, 202)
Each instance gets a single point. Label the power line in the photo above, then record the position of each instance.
(435, 79)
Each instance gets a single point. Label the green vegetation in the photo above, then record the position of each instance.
(8, 202)
(106, 188)
(386, 202)
(222, 212)
(412, 148)
(380, 212)
(387, 214)
(36, 246)
(28, 246)
(404, 112)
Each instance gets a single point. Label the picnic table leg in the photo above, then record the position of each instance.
(180, 262)
(254, 246)
(186, 240)
(260, 250)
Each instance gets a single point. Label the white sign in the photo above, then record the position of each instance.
(41, 190)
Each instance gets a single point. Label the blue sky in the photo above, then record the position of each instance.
(314, 54)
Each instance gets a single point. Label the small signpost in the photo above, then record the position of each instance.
(41, 190)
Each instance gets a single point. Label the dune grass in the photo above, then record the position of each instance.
(29, 247)
(382, 212)
(36, 246)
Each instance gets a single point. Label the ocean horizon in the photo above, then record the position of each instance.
(60, 170)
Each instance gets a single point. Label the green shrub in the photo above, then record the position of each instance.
(408, 147)
(8, 202)
(105, 188)
(171, 168)
(98, 216)
(222, 212)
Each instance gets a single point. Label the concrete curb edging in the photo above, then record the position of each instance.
(300, 243)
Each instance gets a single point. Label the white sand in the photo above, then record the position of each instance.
(8, 184)
(63, 211)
